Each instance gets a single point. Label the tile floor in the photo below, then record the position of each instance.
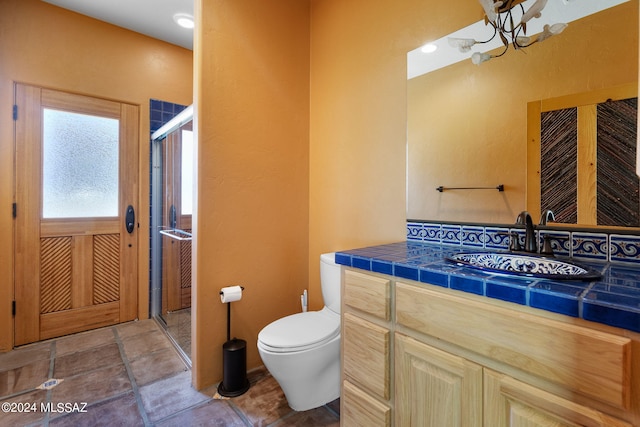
(131, 375)
(178, 325)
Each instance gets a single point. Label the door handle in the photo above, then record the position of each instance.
(130, 219)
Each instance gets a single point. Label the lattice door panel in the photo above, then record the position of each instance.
(55, 274)
(559, 190)
(618, 184)
(63, 288)
(185, 273)
(106, 268)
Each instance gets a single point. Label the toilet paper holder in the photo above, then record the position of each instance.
(229, 314)
(241, 287)
(234, 359)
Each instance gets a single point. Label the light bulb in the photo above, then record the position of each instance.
(429, 48)
(184, 20)
(478, 58)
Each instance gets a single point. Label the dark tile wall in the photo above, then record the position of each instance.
(162, 112)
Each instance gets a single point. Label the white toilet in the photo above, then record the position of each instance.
(302, 351)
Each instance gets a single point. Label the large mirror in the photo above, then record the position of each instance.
(467, 124)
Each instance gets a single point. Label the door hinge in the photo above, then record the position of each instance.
(14, 210)
(13, 308)
(15, 111)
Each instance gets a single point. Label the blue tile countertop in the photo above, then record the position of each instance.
(614, 300)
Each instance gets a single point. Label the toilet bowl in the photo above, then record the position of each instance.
(302, 351)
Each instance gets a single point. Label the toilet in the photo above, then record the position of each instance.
(302, 351)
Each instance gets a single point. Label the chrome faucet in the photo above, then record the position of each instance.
(530, 235)
(547, 216)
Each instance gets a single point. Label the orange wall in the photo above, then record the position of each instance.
(48, 46)
(468, 123)
(353, 193)
(252, 127)
(358, 117)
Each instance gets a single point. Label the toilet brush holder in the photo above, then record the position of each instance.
(234, 362)
(234, 368)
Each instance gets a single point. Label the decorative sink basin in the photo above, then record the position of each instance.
(521, 264)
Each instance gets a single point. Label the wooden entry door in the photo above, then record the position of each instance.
(76, 162)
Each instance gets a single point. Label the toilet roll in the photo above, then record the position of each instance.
(231, 294)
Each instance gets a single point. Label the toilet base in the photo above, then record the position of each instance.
(308, 379)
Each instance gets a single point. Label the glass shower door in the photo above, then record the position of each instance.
(176, 229)
(172, 206)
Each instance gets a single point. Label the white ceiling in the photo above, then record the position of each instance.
(567, 11)
(153, 18)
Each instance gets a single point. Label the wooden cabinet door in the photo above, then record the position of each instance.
(509, 402)
(434, 388)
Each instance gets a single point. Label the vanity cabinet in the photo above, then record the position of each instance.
(414, 354)
(366, 350)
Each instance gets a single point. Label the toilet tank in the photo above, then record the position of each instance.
(330, 281)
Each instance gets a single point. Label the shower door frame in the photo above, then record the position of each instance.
(182, 121)
(176, 254)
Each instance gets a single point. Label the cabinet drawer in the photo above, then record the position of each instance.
(360, 409)
(592, 363)
(509, 402)
(368, 293)
(366, 355)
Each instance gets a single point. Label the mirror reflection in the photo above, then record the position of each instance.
(467, 124)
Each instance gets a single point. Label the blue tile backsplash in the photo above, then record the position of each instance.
(586, 246)
(613, 300)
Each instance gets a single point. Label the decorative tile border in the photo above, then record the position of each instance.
(451, 234)
(585, 246)
(473, 236)
(432, 233)
(590, 246)
(414, 231)
(625, 249)
(496, 237)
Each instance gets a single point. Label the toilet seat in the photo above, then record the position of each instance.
(299, 332)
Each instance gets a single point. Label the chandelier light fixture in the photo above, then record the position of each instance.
(509, 21)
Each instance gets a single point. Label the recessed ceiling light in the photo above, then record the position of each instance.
(429, 48)
(184, 20)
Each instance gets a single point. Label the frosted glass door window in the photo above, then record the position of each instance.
(187, 173)
(80, 165)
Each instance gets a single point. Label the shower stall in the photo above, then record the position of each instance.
(171, 213)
